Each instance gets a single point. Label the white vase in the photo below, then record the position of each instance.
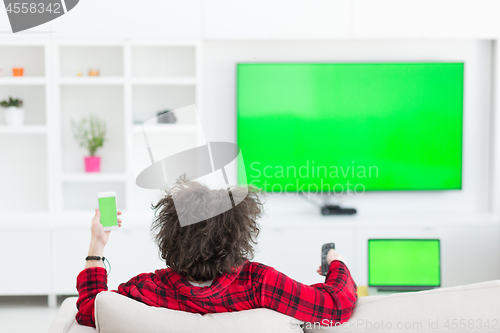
(14, 116)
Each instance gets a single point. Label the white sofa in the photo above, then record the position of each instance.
(471, 308)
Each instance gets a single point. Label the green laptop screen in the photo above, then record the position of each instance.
(404, 262)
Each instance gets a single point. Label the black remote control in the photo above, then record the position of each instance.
(324, 252)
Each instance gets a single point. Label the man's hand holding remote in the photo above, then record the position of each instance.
(334, 255)
(331, 256)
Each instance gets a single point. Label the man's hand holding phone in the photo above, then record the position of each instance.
(101, 227)
(98, 233)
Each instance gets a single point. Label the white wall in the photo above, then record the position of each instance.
(273, 19)
(264, 19)
(119, 18)
(219, 106)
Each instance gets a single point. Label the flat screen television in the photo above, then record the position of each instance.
(336, 127)
(404, 264)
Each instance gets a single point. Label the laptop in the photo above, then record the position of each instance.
(404, 264)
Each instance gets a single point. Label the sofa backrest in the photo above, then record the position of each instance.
(119, 314)
(470, 308)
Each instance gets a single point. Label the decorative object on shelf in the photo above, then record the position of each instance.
(13, 111)
(18, 71)
(94, 72)
(79, 74)
(90, 133)
(166, 117)
(362, 291)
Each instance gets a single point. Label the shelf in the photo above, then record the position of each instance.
(80, 59)
(107, 101)
(378, 220)
(168, 128)
(85, 80)
(147, 100)
(177, 81)
(81, 195)
(163, 61)
(93, 177)
(24, 171)
(102, 80)
(30, 57)
(23, 129)
(22, 80)
(80, 220)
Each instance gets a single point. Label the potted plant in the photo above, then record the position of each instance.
(13, 111)
(90, 133)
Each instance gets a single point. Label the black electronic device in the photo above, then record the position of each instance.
(337, 210)
(324, 252)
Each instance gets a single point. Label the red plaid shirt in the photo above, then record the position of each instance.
(251, 286)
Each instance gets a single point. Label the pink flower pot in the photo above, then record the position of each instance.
(92, 164)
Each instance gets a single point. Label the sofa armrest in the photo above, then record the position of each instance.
(68, 307)
(65, 321)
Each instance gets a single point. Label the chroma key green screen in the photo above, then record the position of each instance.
(386, 126)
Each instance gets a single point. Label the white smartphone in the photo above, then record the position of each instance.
(107, 207)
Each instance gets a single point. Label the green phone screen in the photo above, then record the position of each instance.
(107, 206)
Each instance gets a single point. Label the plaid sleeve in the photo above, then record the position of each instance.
(89, 283)
(323, 303)
(142, 289)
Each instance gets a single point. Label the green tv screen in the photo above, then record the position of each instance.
(404, 262)
(351, 127)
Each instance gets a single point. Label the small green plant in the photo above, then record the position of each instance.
(11, 102)
(90, 133)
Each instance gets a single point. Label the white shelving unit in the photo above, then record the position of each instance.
(44, 174)
(22, 81)
(136, 81)
(187, 81)
(93, 177)
(169, 128)
(24, 129)
(92, 81)
(25, 185)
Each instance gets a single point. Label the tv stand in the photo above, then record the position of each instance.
(337, 210)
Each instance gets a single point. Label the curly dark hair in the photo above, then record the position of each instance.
(214, 246)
